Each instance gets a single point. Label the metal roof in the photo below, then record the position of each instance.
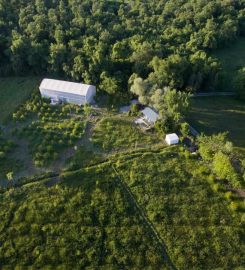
(172, 136)
(150, 114)
(65, 86)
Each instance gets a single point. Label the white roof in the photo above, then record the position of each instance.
(172, 136)
(150, 114)
(65, 86)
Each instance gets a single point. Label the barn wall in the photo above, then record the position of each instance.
(64, 97)
(90, 94)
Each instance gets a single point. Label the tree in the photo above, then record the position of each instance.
(108, 84)
(10, 176)
(222, 167)
(175, 103)
(240, 84)
(141, 88)
(172, 71)
(208, 146)
(185, 129)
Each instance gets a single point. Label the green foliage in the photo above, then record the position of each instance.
(240, 84)
(83, 158)
(116, 133)
(185, 129)
(52, 131)
(10, 176)
(223, 168)
(175, 104)
(7, 162)
(232, 59)
(102, 43)
(210, 145)
(194, 220)
(84, 222)
(134, 110)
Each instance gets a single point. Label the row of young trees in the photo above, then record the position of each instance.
(219, 153)
(105, 42)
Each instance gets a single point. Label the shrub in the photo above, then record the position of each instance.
(228, 195)
(234, 206)
(2, 155)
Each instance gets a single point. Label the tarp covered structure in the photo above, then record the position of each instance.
(65, 91)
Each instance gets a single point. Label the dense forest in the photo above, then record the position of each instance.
(110, 43)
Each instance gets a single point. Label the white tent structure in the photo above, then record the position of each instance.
(172, 139)
(150, 115)
(68, 92)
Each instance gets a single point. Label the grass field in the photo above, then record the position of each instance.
(118, 133)
(232, 58)
(13, 91)
(195, 221)
(219, 114)
(86, 222)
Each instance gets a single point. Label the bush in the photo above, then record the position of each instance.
(2, 155)
(234, 206)
(228, 195)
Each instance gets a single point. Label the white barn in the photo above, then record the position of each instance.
(150, 115)
(172, 139)
(68, 92)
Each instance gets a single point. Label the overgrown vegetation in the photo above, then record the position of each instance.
(7, 164)
(200, 224)
(85, 222)
(196, 220)
(118, 133)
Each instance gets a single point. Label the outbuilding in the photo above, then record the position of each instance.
(67, 92)
(150, 115)
(172, 139)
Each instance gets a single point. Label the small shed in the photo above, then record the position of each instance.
(172, 139)
(150, 115)
(67, 92)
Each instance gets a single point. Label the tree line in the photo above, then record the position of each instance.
(110, 43)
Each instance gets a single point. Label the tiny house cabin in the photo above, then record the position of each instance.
(150, 115)
(67, 92)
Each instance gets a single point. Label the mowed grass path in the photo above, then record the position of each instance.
(13, 91)
(232, 59)
(219, 114)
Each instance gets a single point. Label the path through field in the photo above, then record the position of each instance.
(151, 229)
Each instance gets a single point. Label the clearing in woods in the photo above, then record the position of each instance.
(13, 92)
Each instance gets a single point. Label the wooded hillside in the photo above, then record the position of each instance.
(105, 42)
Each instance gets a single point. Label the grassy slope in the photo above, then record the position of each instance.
(232, 58)
(218, 114)
(13, 91)
(118, 133)
(198, 228)
(90, 210)
(83, 223)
